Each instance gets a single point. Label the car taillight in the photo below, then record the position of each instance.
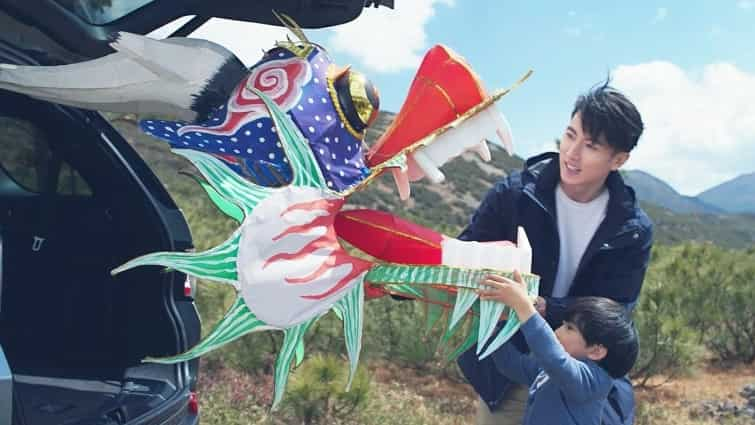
(188, 289)
(193, 403)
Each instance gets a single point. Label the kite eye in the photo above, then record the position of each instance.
(358, 99)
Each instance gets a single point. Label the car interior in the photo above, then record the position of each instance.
(71, 210)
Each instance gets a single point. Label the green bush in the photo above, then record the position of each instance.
(394, 330)
(317, 390)
(695, 296)
(668, 346)
(718, 290)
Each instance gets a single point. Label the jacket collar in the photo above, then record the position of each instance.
(545, 170)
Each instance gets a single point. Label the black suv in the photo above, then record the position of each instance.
(76, 201)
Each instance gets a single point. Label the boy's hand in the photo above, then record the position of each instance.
(510, 292)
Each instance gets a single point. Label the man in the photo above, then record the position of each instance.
(588, 234)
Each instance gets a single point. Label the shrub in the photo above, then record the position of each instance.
(695, 296)
(668, 346)
(317, 390)
(716, 286)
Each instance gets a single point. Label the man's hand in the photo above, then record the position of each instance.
(510, 292)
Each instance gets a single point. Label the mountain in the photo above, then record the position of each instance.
(655, 191)
(726, 230)
(736, 195)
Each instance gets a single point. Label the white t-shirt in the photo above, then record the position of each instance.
(577, 223)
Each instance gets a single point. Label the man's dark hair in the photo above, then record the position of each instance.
(608, 116)
(606, 322)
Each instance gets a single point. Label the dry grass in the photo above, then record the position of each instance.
(406, 396)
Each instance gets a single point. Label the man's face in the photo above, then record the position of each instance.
(584, 161)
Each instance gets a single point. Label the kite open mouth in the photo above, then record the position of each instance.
(470, 132)
(446, 112)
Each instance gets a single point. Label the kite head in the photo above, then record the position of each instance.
(331, 106)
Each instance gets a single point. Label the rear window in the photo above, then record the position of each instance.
(100, 12)
(27, 159)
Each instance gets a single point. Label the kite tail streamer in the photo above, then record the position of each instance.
(237, 322)
(350, 309)
(292, 340)
(217, 264)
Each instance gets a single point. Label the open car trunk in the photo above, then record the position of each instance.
(85, 27)
(75, 202)
(47, 400)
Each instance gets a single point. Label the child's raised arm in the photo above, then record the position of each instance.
(513, 293)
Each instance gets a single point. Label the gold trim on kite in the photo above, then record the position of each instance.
(358, 91)
(337, 106)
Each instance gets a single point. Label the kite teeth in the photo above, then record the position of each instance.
(471, 134)
(428, 166)
(483, 151)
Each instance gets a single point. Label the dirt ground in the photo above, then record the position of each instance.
(661, 403)
(671, 402)
(447, 399)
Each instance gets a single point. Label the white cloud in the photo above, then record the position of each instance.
(245, 39)
(699, 127)
(385, 40)
(660, 14)
(746, 4)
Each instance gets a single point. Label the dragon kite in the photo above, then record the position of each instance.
(280, 147)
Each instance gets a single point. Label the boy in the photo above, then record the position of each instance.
(569, 372)
(589, 235)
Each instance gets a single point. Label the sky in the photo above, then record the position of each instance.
(689, 66)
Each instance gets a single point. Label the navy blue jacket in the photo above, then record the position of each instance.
(613, 265)
(562, 389)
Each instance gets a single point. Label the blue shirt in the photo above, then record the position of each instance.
(562, 389)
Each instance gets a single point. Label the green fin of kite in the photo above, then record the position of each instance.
(228, 185)
(237, 322)
(217, 264)
(292, 339)
(224, 205)
(351, 308)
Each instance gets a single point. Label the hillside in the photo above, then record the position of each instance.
(726, 230)
(448, 206)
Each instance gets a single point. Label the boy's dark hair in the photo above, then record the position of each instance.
(607, 115)
(606, 322)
